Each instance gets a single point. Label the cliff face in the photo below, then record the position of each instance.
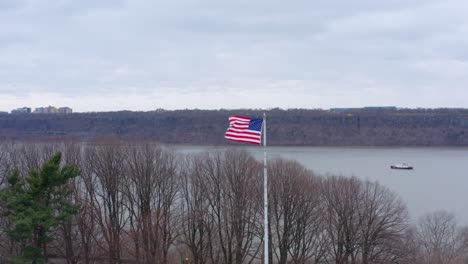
(355, 127)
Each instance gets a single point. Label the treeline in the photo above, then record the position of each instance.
(140, 203)
(348, 127)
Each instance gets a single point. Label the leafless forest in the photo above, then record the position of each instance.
(141, 203)
(299, 127)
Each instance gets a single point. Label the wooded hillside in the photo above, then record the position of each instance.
(344, 127)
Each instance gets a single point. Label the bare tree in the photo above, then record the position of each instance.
(197, 227)
(34, 154)
(440, 240)
(140, 202)
(310, 240)
(367, 223)
(4, 163)
(87, 220)
(341, 197)
(232, 178)
(295, 208)
(383, 220)
(107, 164)
(152, 193)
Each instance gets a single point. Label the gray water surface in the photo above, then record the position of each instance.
(439, 180)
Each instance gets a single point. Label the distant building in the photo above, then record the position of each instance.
(46, 110)
(379, 108)
(40, 110)
(22, 110)
(53, 110)
(343, 109)
(65, 110)
(367, 108)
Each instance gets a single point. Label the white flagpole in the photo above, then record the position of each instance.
(265, 191)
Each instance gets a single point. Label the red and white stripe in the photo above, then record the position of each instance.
(239, 131)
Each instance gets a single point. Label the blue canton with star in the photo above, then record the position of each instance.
(255, 124)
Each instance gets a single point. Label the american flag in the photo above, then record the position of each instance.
(244, 129)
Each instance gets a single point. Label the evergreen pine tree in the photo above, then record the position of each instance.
(36, 204)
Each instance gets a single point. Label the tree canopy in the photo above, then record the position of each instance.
(36, 204)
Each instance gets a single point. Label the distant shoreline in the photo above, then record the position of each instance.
(390, 128)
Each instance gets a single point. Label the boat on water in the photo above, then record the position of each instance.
(402, 166)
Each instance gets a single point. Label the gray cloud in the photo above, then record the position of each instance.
(290, 54)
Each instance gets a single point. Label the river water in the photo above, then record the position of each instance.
(439, 180)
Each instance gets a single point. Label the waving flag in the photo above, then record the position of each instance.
(244, 129)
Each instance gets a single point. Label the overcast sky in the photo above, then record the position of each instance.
(142, 55)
